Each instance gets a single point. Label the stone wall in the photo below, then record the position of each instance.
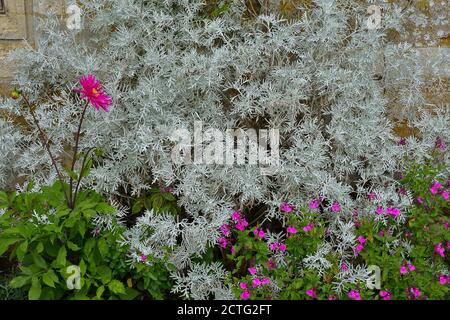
(17, 28)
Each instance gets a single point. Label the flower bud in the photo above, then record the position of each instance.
(15, 94)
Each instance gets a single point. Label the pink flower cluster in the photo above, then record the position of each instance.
(440, 250)
(386, 295)
(354, 295)
(259, 233)
(406, 268)
(277, 246)
(392, 211)
(360, 246)
(437, 188)
(240, 222)
(258, 281)
(413, 293)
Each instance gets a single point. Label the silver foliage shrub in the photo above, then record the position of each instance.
(320, 79)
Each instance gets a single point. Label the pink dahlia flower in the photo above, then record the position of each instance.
(93, 92)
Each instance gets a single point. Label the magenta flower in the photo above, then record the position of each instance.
(435, 187)
(440, 143)
(243, 285)
(362, 240)
(386, 295)
(445, 195)
(410, 267)
(286, 207)
(335, 207)
(259, 233)
(93, 92)
(415, 292)
(256, 282)
(225, 229)
(331, 298)
(233, 250)
(379, 210)
(273, 246)
(372, 196)
(401, 142)
(420, 200)
(358, 249)
(309, 227)
(446, 225)
(265, 281)
(245, 295)
(443, 279)
(314, 204)
(241, 224)
(394, 212)
(439, 249)
(354, 295)
(344, 266)
(312, 293)
(222, 241)
(381, 233)
(282, 247)
(236, 215)
(291, 229)
(271, 264)
(143, 258)
(403, 270)
(252, 270)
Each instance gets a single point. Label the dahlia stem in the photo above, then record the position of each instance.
(45, 141)
(75, 153)
(80, 176)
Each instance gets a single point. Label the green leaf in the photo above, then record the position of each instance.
(3, 200)
(39, 261)
(72, 246)
(116, 287)
(22, 250)
(104, 273)
(104, 208)
(35, 290)
(49, 278)
(102, 247)
(168, 196)
(89, 245)
(82, 267)
(40, 247)
(62, 256)
(19, 282)
(137, 207)
(100, 291)
(5, 243)
(81, 228)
